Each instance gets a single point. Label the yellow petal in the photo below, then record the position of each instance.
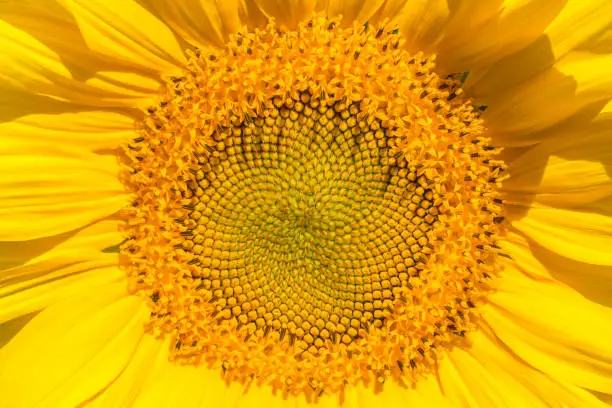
(95, 130)
(351, 11)
(572, 28)
(16, 103)
(521, 251)
(28, 268)
(592, 281)
(9, 329)
(125, 389)
(170, 384)
(287, 13)
(72, 350)
(206, 22)
(455, 388)
(607, 398)
(493, 377)
(516, 24)
(466, 18)
(569, 169)
(426, 392)
(112, 88)
(601, 43)
(290, 13)
(31, 296)
(50, 15)
(29, 65)
(352, 397)
(47, 190)
(420, 22)
(469, 383)
(127, 32)
(576, 81)
(595, 118)
(81, 244)
(554, 329)
(41, 18)
(578, 24)
(26, 60)
(582, 236)
(263, 397)
(562, 182)
(431, 394)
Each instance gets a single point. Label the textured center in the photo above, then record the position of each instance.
(312, 209)
(307, 221)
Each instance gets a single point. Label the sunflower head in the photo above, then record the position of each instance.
(305, 203)
(312, 208)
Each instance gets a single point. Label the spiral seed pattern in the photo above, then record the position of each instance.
(312, 209)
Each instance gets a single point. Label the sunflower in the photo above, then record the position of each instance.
(306, 203)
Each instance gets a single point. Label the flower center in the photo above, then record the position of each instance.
(307, 223)
(312, 208)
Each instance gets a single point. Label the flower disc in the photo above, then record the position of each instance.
(312, 208)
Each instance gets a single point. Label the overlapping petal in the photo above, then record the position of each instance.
(126, 388)
(515, 113)
(579, 235)
(290, 13)
(111, 31)
(91, 131)
(509, 26)
(572, 28)
(204, 23)
(30, 66)
(569, 169)
(554, 329)
(78, 346)
(36, 274)
(36, 202)
(594, 282)
(488, 374)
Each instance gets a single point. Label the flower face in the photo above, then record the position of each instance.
(313, 213)
(307, 204)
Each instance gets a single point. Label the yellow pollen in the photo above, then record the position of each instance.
(312, 209)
